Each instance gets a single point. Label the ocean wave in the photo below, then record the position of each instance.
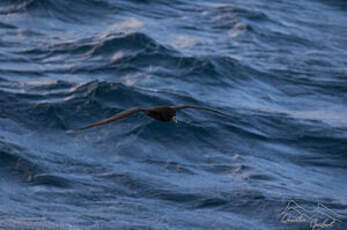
(66, 11)
(14, 164)
(50, 180)
(276, 69)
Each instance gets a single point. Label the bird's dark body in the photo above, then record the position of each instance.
(161, 113)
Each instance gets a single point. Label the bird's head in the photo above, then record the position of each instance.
(171, 113)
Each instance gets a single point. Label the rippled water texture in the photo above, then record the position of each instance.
(277, 68)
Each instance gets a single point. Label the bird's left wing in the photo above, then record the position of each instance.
(114, 118)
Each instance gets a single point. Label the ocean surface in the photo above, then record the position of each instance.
(277, 160)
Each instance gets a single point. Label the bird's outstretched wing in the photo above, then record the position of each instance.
(114, 118)
(197, 107)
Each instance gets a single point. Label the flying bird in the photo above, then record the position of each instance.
(160, 113)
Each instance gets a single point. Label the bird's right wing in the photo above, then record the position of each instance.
(197, 107)
(114, 118)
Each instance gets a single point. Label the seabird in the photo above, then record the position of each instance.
(160, 113)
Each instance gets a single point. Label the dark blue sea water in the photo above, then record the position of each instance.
(277, 68)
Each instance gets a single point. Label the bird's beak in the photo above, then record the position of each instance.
(174, 119)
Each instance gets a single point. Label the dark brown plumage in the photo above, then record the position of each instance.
(160, 113)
